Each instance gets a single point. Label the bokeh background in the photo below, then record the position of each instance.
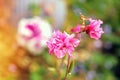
(93, 59)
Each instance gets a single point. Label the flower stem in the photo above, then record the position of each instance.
(67, 70)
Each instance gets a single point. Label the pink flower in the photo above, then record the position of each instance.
(61, 44)
(33, 33)
(94, 30)
(76, 29)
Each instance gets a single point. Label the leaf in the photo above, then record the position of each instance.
(71, 66)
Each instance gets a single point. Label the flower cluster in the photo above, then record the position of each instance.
(62, 43)
(93, 29)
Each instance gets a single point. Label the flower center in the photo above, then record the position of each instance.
(36, 32)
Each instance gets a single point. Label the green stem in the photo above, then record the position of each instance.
(57, 69)
(67, 70)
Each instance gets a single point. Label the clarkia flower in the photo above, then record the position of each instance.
(94, 30)
(33, 34)
(61, 44)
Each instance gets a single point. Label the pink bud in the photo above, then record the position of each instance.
(76, 29)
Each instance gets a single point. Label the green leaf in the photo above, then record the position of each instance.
(71, 66)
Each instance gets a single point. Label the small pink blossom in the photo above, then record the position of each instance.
(61, 44)
(93, 29)
(76, 29)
